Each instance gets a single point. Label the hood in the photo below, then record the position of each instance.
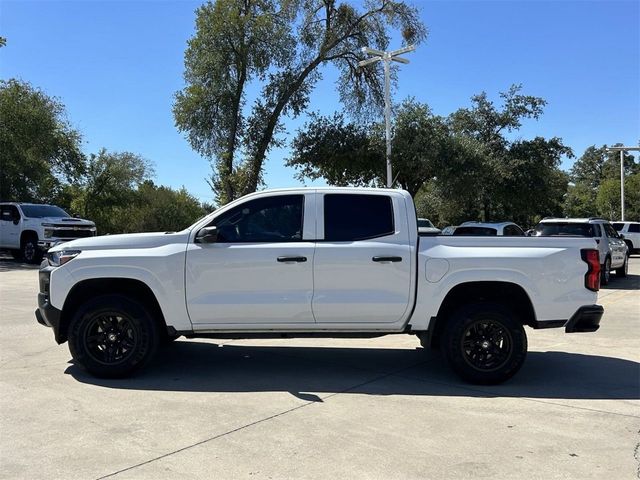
(128, 240)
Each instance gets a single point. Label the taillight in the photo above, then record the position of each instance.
(592, 277)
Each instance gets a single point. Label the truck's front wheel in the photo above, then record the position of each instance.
(485, 343)
(112, 336)
(29, 249)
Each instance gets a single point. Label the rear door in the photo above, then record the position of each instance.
(363, 260)
(9, 226)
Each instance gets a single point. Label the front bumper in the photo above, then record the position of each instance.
(47, 314)
(586, 319)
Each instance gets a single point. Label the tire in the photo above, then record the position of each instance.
(29, 250)
(622, 271)
(605, 274)
(484, 343)
(112, 336)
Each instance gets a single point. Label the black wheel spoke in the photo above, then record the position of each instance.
(110, 338)
(486, 344)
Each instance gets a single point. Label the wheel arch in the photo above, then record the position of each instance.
(506, 293)
(26, 234)
(84, 290)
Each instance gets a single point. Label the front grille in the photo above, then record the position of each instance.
(71, 233)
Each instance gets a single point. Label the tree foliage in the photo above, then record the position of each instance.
(458, 168)
(39, 149)
(596, 184)
(276, 48)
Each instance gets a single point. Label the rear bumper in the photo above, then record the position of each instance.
(586, 319)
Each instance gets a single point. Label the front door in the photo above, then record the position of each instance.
(260, 269)
(9, 227)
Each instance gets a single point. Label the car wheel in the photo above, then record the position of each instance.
(606, 272)
(622, 271)
(485, 343)
(112, 336)
(29, 250)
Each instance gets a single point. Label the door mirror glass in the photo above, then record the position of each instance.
(207, 235)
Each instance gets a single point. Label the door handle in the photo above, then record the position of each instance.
(292, 259)
(387, 259)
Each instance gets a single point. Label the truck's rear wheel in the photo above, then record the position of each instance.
(29, 249)
(112, 336)
(484, 343)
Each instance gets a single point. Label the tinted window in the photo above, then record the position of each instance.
(423, 222)
(618, 226)
(269, 219)
(634, 228)
(568, 229)
(476, 231)
(41, 211)
(357, 217)
(8, 213)
(611, 233)
(513, 231)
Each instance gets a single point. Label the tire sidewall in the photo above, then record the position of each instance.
(606, 272)
(141, 320)
(29, 250)
(458, 323)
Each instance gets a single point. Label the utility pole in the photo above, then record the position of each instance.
(622, 150)
(387, 58)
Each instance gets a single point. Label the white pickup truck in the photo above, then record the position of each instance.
(28, 230)
(325, 262)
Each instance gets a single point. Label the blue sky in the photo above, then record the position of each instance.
(117, 64)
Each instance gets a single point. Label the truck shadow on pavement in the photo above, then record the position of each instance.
(310, 373)
(630, 282)
(7, 264)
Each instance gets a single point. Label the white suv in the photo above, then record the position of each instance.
(611, 246)
(29, 229)
(630, 232)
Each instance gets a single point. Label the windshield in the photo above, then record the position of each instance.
(477, 231)
(41, 211)
(424, 222)
(564, 229)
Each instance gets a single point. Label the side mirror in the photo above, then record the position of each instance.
(16, 219)
(621, 235)
(207, 235)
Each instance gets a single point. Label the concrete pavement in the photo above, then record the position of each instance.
(320, 408)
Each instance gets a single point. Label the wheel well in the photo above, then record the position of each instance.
(505, 293)
(26, 234)
(87, 289)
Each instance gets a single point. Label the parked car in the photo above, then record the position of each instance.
(324, 262)
(426, 227)
(30, 229)
(611, 246)
(489, 229)
(630, 232)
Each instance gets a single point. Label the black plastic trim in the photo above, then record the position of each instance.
(586, 319)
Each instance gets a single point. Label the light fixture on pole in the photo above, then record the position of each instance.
(387, 58)
(622, 150)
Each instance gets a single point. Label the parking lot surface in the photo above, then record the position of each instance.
(321, 408)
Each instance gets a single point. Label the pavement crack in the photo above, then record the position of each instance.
(256, 422)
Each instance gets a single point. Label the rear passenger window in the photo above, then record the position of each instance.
(349, 217)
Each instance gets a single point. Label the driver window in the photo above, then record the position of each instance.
(268, 219)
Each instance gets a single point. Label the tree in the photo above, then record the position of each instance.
(38, 147)
(589, 172)
(160, 208)
(608, 198)
(348, 153)
(487, 125)
(277, 47)
(108, 188)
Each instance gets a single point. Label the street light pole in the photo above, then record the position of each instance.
(387, 58)
(622, 150)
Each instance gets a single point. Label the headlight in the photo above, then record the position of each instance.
(61, 257)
